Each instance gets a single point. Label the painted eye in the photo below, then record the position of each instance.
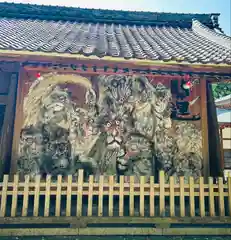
(108, 124)
(114, 84)
(117, 123)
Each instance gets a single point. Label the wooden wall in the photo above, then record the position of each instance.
(8, 86)
(213, 136)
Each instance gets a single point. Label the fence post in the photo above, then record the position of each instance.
(172, 196)
(162, 193)
(202, 196)
(192, 197)
(100, 196)
(111, 196)
(90, 195)
(121, 197)
(58, 196)
(182, 198)
(142, 181)
(36, 196)
(25, 196)
(14, 196)
(131, 196)
(221, 197)
(69, 194)
(152, 197)
(4, 196)
(229, 193)
(47, 196)
(79, 193)
(211, 198)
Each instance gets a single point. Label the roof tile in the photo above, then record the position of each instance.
(192, 44)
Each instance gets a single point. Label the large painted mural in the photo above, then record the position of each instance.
(111, 125)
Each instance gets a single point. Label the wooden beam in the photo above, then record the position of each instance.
(98, 68)
(204, 129)
(14, 54)
(9, 66)
(126, 70)
(17, 123)
(85, 220)
(7, 128)
(96, 231)
(92, 73)
(24, 56)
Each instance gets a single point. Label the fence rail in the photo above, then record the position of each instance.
(81, 203)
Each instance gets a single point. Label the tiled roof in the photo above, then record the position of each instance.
(223, 100)
(166, 41)
(57, 13)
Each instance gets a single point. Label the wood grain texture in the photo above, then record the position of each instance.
(8, 123)
(18, 122)
(204, 128)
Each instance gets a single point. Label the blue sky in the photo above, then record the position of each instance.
(184, 6)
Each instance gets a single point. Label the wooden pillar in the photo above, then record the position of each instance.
(17, 123)
(204, 128)
(7, 128)
(9, 80)
(222, 149)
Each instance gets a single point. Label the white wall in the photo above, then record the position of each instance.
(226, 132)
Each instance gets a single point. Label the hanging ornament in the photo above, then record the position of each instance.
(38, 76)
(187, 85)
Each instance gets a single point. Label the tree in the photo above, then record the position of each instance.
(221, 89)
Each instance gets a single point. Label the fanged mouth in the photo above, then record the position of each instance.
(29, 141)
(114, 140)
(114, 144)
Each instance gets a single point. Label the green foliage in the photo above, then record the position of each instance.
(221, 90)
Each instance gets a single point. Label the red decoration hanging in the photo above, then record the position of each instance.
(187, 85)
(38, 75)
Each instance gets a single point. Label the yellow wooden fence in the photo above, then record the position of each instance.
(157, 204)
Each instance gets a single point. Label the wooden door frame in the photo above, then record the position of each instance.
(7, 131)
(18, 121)
(204, 128)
